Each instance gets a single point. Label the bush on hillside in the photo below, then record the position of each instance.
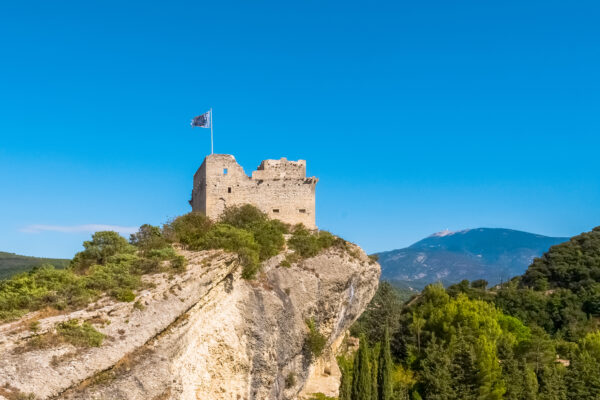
(308, 244)
(268, 233)
(80, 335)
(315, 342)
(104, 244)
(187, 229)
(149, 238)
(244, 230)
(109, 264)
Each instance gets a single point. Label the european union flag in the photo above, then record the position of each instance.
(202, 121)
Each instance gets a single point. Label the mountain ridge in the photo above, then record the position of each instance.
(493, 254)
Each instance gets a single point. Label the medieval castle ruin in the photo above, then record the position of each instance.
(279, 188)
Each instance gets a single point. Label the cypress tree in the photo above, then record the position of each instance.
(361, 382)
(384, 377)
(374, 368)
(345, 381)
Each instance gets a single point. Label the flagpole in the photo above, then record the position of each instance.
(211, 132)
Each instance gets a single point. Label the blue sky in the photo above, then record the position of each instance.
(416, 116)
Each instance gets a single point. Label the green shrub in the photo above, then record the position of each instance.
(308, 244)
(148, 238)
(187, 229)
(123, 294)
(243, 216)
(80, 335)
(315, 341)
(268, 233)
(44, 286)
(178, 263)
(104, 244)
(290, 380)
(230, 238)
(163, 253)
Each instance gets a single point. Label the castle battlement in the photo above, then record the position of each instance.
(279, 188)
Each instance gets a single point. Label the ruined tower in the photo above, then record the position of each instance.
(279, 188)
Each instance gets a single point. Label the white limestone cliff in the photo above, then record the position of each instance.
(204, 334)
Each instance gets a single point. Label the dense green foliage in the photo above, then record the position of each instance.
(108, 264)
(535, 337)
(362, 378)
(307, 244)
(244, 230)
(12, 264)
(370, 375)
(385, 369)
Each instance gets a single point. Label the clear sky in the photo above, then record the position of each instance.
(416, 116)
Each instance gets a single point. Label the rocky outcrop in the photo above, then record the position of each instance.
(204, 334)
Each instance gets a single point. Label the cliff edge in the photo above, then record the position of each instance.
(203, 334)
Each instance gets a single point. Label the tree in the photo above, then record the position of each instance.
(104, 244)
(552, 384)
(383, 310)
(583, 377)
(417, 327)
(436, 377)
(346, 379)
(384, 373)
(375, 351)
(148, 237)
(361, 382)
(463, 369)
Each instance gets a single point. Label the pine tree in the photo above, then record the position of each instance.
(583, 378)
(384, 376)
(552, 383)
(463, 368)
(361, 382)
(437, 380)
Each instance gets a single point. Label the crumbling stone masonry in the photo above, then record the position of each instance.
(279, 188)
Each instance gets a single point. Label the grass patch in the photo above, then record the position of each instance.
(71, 331)
(321, 396)
(79, 335)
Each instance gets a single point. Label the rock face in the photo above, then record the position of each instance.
(205, 334)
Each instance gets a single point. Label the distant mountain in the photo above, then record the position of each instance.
(11, 264)
(492, 254)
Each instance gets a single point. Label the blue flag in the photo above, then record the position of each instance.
(202, 121)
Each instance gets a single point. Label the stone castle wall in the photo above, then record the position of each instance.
(279, 188)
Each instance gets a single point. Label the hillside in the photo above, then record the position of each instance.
(242, 307)
(535, 337)
(492, 254)
(11, 263)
